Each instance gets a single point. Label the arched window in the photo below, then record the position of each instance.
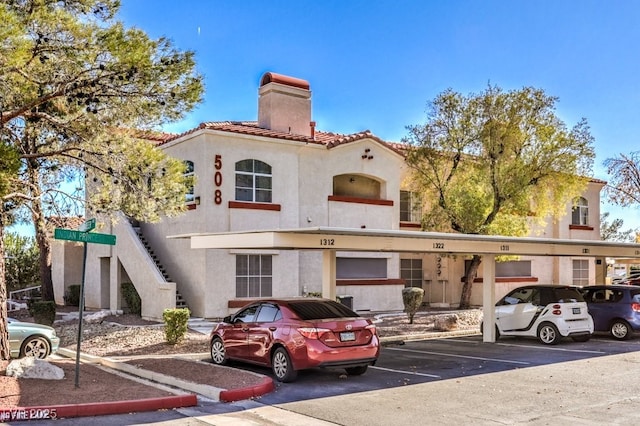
(189, 173)
(580, 212)
(253, 181)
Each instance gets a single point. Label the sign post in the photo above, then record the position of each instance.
(83, 235)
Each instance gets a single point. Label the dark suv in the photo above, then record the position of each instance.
(614, 308)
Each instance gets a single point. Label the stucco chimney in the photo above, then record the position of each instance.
(284, 104)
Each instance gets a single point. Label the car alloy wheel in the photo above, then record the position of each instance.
(218, 353)
(37, 347)
(548, 334)
(282, 367)
(620, 330)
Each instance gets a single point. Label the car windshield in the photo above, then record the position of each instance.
(312, 310)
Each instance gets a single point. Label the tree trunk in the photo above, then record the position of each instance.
(471, 274)
(44, 245)
(4, 332)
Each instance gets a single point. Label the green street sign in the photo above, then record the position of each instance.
(85, 237)
(88, 225)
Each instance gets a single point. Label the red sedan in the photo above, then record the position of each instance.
(296, 334)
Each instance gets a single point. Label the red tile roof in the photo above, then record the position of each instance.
(328, 139)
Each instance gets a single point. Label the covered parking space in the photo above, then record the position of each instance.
(331, 240)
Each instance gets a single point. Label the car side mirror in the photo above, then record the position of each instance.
(227, 319)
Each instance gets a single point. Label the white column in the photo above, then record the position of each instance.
(329, 274)
(114, 282)
(488, 298)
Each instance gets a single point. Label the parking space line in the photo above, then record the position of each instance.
(414, 373)
(506, 361)
(553, 348)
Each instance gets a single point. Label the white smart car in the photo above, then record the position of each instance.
(548, 312)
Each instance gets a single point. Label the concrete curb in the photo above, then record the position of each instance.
(210, 392)
(400, 339)
(97, 409)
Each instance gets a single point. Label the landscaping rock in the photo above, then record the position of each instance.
(33, 368)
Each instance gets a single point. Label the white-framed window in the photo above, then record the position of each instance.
(580, 212)
(253, 181)
(581, 272)
(411, 272)
(189, 173)
(254, 275)
(410, 207)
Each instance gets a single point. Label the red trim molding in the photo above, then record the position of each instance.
(357, 200)
(581, 227)
(381, 281)
(410, 225)
(508, 280)
(254, 206)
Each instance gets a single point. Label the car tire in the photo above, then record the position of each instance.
(620, 330)
(218, 352)
(548, 334)
(282, 366)
(357, 371)
(497, 330)
(35, 346)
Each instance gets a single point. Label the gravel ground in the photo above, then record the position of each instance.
(129, 335)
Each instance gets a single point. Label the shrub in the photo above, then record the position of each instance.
(72, 295)
(43, 312)
(132, 298)
(412, 299)
(175, 324)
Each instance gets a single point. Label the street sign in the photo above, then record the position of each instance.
(88, 225)
(85, 237)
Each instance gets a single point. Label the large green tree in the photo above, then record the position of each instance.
(73, 81)
(21, 261)
(495, 163)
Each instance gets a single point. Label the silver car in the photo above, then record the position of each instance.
(29, 339)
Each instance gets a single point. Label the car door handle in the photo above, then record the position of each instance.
(273, 328)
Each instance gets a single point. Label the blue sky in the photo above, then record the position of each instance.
(375, 64)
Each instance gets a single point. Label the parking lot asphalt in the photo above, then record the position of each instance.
(467, 382)
(458, 380)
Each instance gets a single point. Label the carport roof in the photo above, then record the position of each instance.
(377, 240)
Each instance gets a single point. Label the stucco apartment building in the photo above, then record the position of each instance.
(282, 173)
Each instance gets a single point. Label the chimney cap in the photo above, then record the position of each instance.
(271, 77)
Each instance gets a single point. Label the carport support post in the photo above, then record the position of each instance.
(329, 274)
(488, 298)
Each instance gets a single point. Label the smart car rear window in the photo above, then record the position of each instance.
(308, 310)
(567, 295)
